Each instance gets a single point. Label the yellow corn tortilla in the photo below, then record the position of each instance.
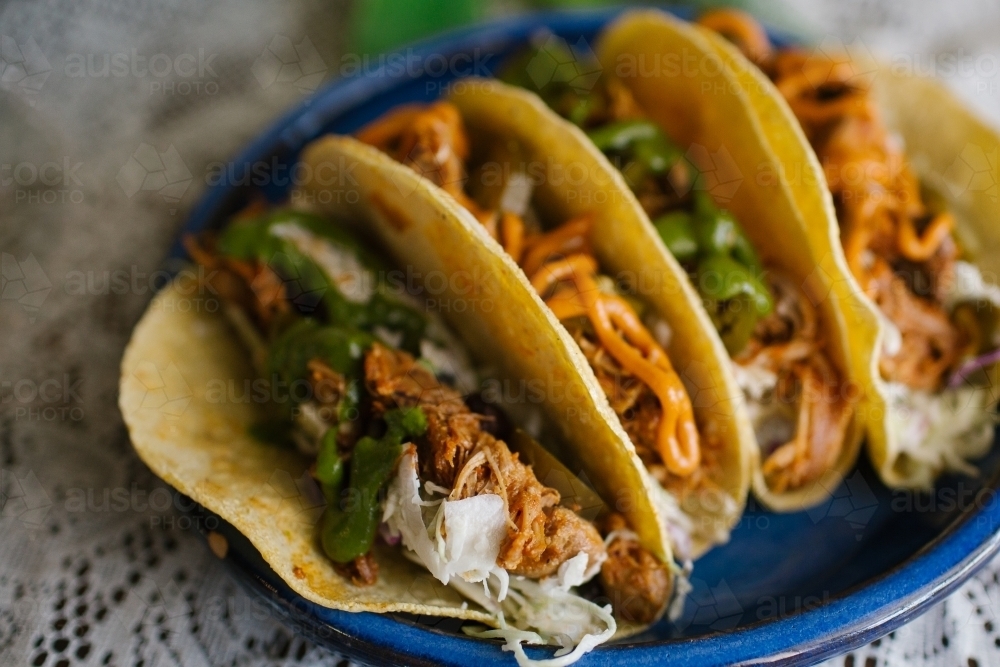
(706, 97)
(195, 437)
(579, 180)
(592, 434)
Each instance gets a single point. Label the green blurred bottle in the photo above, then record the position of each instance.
(378, 26)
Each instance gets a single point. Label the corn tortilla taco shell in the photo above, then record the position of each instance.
(578, 180)
(198, 441)
(175, 375)
(953, 153)
(718, 102)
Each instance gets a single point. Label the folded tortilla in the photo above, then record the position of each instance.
(181, 370)
(953, 153)
(704, 95)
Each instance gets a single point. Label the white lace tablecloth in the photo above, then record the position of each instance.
(99, 165)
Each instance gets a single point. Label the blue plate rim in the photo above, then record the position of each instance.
(845, 622)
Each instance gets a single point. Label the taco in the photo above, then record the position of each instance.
(630, 323)
(688, 146)
(296, 388)
(918, 228)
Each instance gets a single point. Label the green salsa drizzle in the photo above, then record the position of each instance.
(309, 286)
(341, 348)
(348, 526)
(338, 332)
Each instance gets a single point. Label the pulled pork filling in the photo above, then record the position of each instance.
(457, 454)
(636, 580)
(901, 251)
(787, 351)
(805, 387)
(252, 287)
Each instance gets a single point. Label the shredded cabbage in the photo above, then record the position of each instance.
(774, 422)
(682, 587)
(970, 286)
(458, 542)
(943, 430)
(517, 192)
(309, 428)
(677, 524)
(575, 571)
(756, 380)
(712, 526)
(892, 337)
(476, 526)
(555, 616)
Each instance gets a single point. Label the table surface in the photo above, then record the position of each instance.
(112, 115)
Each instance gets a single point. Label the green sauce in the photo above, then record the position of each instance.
(308, 287)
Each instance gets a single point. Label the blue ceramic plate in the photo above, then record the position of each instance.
(787, 589)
